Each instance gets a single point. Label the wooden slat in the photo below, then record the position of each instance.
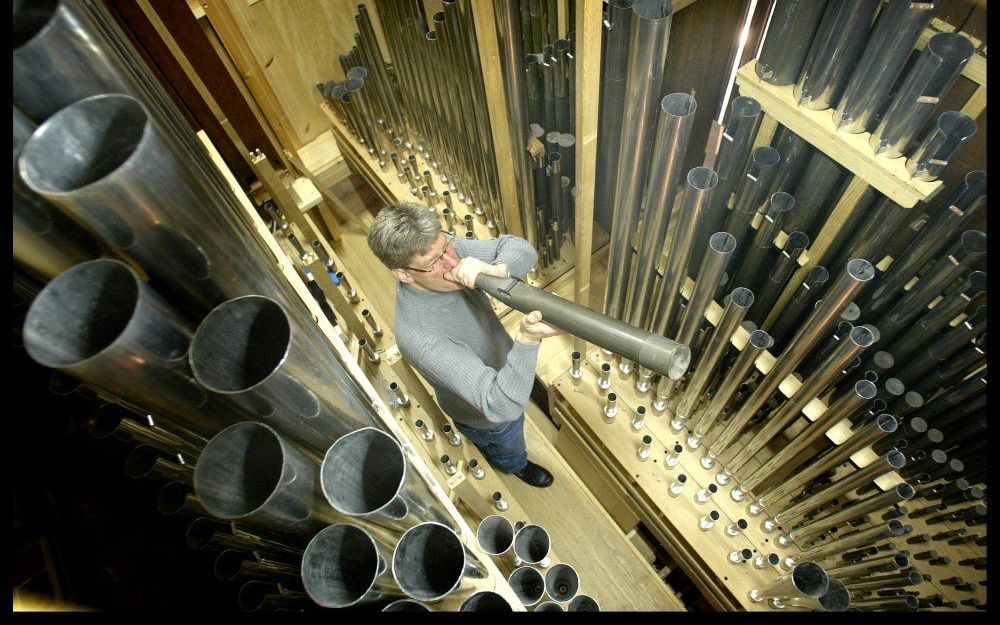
(852, 151)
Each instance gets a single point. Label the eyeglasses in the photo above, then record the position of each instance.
(449, 240)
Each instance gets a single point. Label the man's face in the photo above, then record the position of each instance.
(439, 259)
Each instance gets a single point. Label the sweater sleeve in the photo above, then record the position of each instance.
(500, 395)
(516, 252)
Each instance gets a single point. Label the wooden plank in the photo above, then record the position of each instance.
(484, 21)
(588, 58)
(976, 104)
(852, 151)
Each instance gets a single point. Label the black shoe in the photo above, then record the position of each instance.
(535, 475)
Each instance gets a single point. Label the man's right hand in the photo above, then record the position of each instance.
(532, 329)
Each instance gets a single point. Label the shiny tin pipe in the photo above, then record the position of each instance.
(888, 46)
(814, 193)
(934, 320)
(940, 146)
(795, 154)
(562, 582)
(868, 536)
(528, 584)
(762, 246)
(345, 565)
(778, 275)
(806, 533)
(113, 420)
(733, 313)
(147, 461)
(250, 351)
(672, 133)
(485, 601)
(698, 193)
(531, 546)
(176, 498)
(789, 35)
(806, 579)
(931, 77)
(365, 474)
(753, 191)
(834, 51)
(495, 535)
(888, 562)
(650, 33)
(248, 472)
(206, 533)
(430, 562)
(804, 299)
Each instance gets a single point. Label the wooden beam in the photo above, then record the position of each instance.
(588, 75)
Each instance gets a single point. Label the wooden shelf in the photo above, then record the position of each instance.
(852, 151)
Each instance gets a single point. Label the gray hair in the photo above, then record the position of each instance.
(401, 232)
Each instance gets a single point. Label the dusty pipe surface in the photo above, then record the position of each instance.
(889, 44)
(430, 562)
(836, 599)
(365, 474)
(528, 584)
(930, 78)
(345, 565)
(839, 39)
(806, 579)
(248, 472)
(789, 35)
(652, 351)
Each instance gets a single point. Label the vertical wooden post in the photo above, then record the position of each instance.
(588, 88)
(489, 59)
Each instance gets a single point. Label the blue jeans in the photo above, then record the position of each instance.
(504, 448)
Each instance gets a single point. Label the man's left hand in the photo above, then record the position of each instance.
(468, 268)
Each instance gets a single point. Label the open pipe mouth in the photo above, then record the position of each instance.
(141, 461)
(957, 126)
(172, 497)
(741, 297)
(781, 202)
(485, 601)
(30, 20)
(887, 423)
(105, 420)
(901, 560)
(817, 276)
(495, 534)
(865, 389)
(352, 85)
(905, 491)
(862, 337)
(974, 188)
(532, 544)
(895, 459)
(254, 594)
(240, 344)
(562, 582)
(837, 597)
(702, 178)
(362, 472)
(227, 564)
(340, 565)
(405, 605)
(954, 49)
(82, 312)
(357, 72)
(974, 241)
(528, 584)
(797, 240)
(810, 579)
(549, 606)
(722, 243)
(743, 106)
(678, 104)
(200, 532)
(860, 269)
(239, 470)
(428, 562)
(764, 157)
(584, 603)
(760, 339)
(896, 527)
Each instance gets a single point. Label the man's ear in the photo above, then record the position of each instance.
(402, 276)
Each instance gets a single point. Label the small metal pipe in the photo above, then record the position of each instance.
(528, 584)
(531, 546)
(562, 582)
(939, 147)
(806, 579)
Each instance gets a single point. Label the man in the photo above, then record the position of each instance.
(449, 332)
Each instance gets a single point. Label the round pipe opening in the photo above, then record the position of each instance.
(495, 534)
(362, 472)
(485, 601)
(239, 469)
(171, 498)
(744, 106)
(584, 603)
(428, 561)
(549, 606)
(340, 565)
(254, 594)
(702, 178)
(860, 269)
(797, 240)
(227, 564)
(760, 339)
(678, 104)
(955, 49)
(895, 459)
(974, 241)
(141, 461)
(837, 597)
(956, 125)
(562, 582)
(810, 579)
(405, 605)
(528, 584)
(722, 243)
(532, 544)
(781, 202)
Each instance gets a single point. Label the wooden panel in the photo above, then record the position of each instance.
(850, 150)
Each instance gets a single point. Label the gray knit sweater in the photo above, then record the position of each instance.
(482, 376)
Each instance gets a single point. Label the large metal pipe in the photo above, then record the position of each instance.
(531, 546)
(859, 339)
(45, 239)
(778, 275)
(177, 498)
(944, 347)
(758, 342)
(753, 191)
(562, 582)
(806, 533)
(672, 132)
(735, 309)
(721, 247)
(206, 533)
(248, 472)
(934, 320)
(814, 194)
(955, 211)
(745, 115)
(55, 64)
(250, 350)
(793, 25)
(888, 562)
(430, 562)
(698, 194)
(147, 461)
(345, 565)
(833, 53)
(652, 351)
(790, 456)
(805, 298)
(583, 603)
(760, 249)
(650, 34)
(939, 147)
(101, 323)
(857, 273)
(889, 44)
(806, 579)
(891, 461)
(495, 535)
(485, 601)
(860, 438)
(365, 474)
(927, 82)
(110, 419)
